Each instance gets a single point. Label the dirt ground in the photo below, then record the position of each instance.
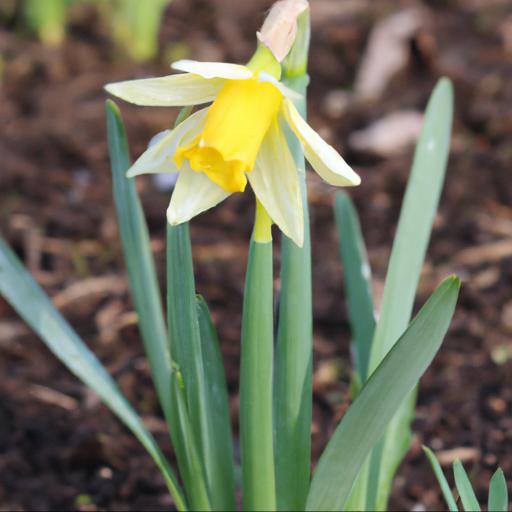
(59, 447)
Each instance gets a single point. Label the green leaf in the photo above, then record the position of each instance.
(187, 353)
(146, 296)
(256, 371)
(409, 248)
(143, 280)
(443, 483)
(498, 492)
(465, 489)
(48, 19)
(192, 473)
(139, 260)
(293, 375)
(366, 419)
(31, 303)
(136, 26)
(357, 276)
(357, 497)
(218, 452)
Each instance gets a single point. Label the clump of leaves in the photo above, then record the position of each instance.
(498, 493)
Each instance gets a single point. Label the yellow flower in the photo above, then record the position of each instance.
(238, 138)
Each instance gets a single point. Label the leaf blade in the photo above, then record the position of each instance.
(219, 449)
(32, 304)
(498, 492)
(139, 260)
(367, 417)
(407, 256)
(143, 283)
(187, 353)
(465, 489)
(441, 479)
(357, 276)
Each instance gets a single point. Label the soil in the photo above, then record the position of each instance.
(60, 449)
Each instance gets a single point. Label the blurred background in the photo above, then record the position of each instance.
(373, 65)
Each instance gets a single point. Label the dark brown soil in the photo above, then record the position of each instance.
(61, 449)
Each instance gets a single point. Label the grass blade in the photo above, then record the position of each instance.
(389, 385)
(409, 248)
(356, 271)
(219, 450)
(258, 473)
(31, 303)
(498, 492)
(465, 489)
(293, 388)
(441, 479)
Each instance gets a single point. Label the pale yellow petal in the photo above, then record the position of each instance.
(194, 193)
(324, 159)
(167, 91)
(210, 70)
(158, 157)
(275, 182)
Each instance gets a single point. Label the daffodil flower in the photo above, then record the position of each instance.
(239, 137)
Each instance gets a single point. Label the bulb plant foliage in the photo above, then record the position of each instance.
(497, 500)
(254, 133)
(134, 24)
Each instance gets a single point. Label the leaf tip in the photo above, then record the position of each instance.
(455, 281)
(445, 84)
(111, 107)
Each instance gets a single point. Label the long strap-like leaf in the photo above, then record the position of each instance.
(498, 492)
(218, 452)
(143, 281)
(32, 304)
(194, 344)
(389, 385)
(409, 248)
(466, 492)
(187, 353)
(357, 277)
(441, 480)
(139, 260)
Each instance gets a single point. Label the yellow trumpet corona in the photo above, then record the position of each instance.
(234, 129)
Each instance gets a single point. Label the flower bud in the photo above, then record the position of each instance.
(280, 27)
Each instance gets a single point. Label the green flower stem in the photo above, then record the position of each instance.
(293, 391)
(262, 225)
(258, 472)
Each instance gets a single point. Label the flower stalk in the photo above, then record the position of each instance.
(293, 386)
(256, 372)
(262, 225)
